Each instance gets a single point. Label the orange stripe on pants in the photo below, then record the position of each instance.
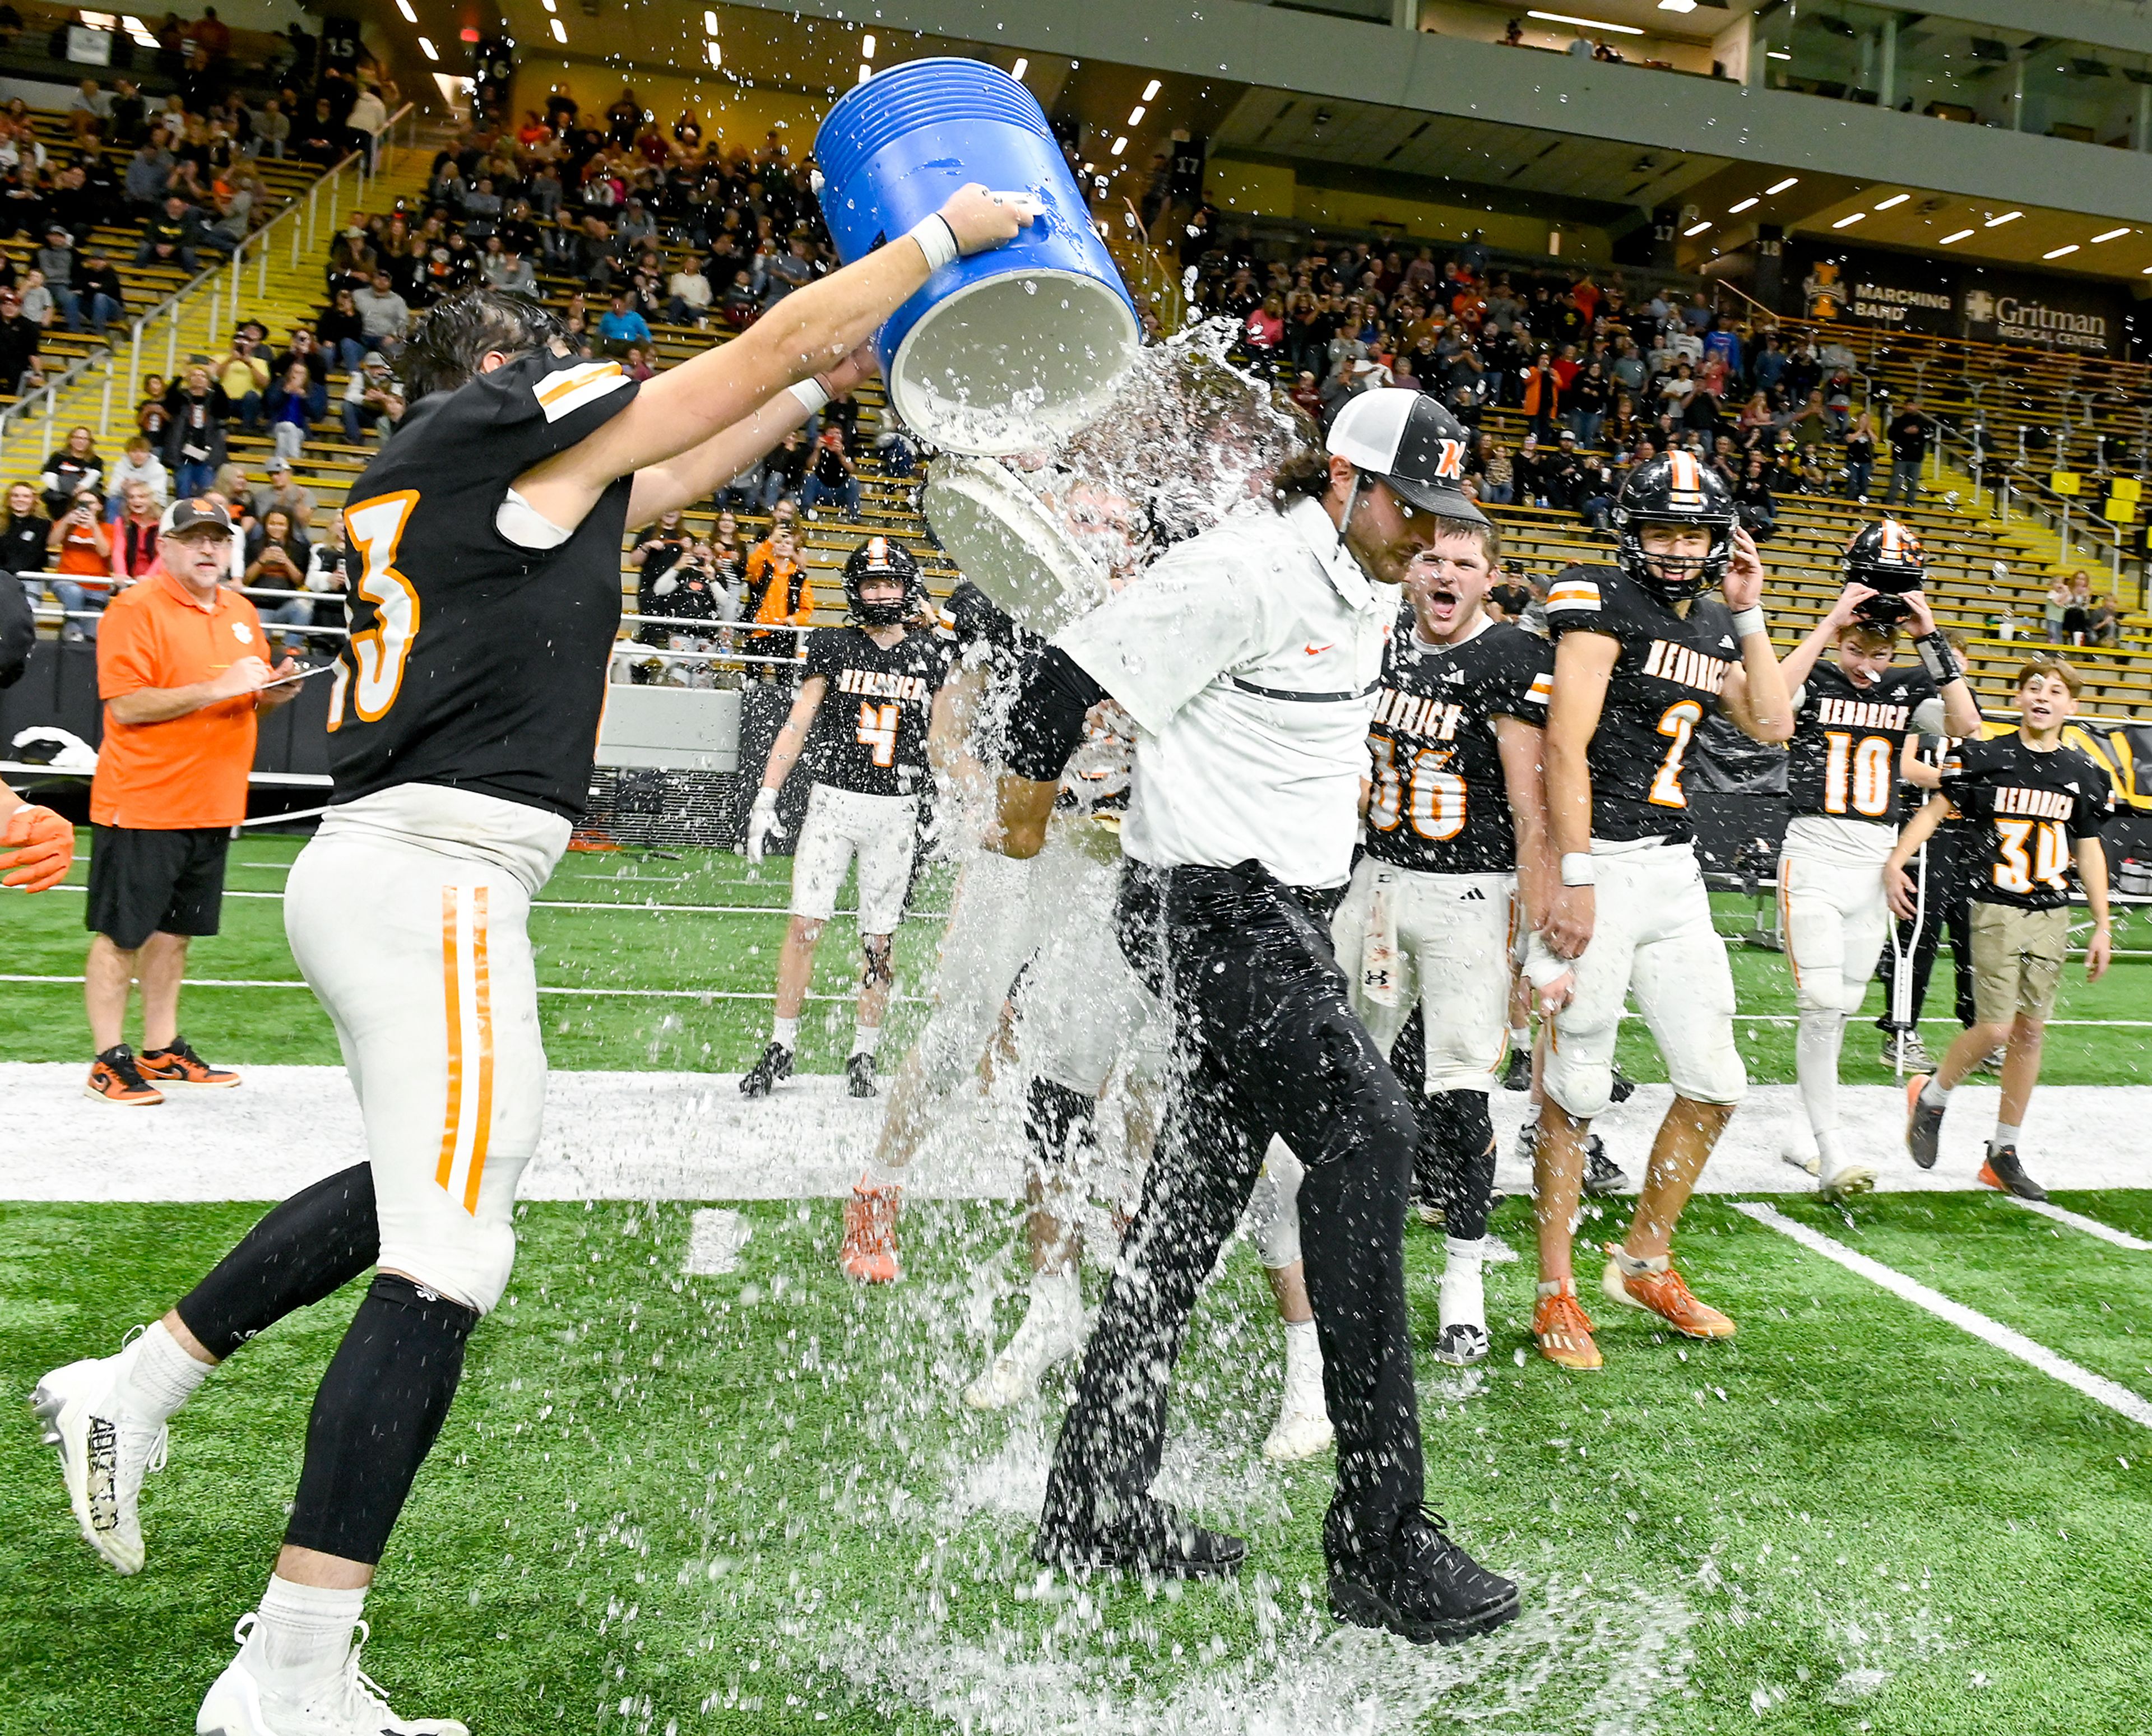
(483, 1000)
(1786, 921)
(452, 999)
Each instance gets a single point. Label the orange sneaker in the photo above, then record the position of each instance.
(115, 1077)
(180, 1065)
(870, 1249)
(1564, 1330)
(1665, 1294)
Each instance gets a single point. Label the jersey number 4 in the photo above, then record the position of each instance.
(1679, 723)
(877, 731)
(1857, 774)
(1433, 798)
(2032, 854)
(379, 651)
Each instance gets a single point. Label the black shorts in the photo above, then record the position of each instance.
(144, 883)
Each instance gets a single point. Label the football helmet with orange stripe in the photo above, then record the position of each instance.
(1886, 557)
(885, 560)
(1677, 488)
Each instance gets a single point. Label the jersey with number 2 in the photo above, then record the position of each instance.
(870, 732)
(1666, 679)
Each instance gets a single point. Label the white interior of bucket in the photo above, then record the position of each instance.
(1012, 362)
(1005, 541)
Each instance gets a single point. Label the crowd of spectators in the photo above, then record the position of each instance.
(1601, 377)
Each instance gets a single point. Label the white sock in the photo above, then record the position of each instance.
(156, 1377)
(1303, 1364)
(1815, 1063)
(881, 1175)
(1521, 1038)
(1934, 1093)
(2006, 1135)
(1829, 1160)
(301, 1636)
(866, 1040)
(1633, 1268)
(1057, 1298)
(786, 1031)
(1462, 1295)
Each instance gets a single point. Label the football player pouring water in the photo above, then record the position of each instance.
(1641, 656)
(872, 696)
(1456, 830)
(1857, 724)
(463, 723)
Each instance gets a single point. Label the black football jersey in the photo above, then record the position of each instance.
(1440, 803)
(2024, 811)
(1666, 680)
(979, 635)
(869, 732)
(1843, 760)
(473, 663)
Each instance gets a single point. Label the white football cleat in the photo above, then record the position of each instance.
(1303, 1429)
(350, 1704)
(1044, 1339)
(1799, 1149)
(1845, 1181)
(104, 1454)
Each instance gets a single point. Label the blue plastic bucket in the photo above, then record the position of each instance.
(1008, 350)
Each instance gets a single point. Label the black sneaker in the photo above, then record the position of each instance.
(859, 1075)
(1518, 1075)
(1156, 1540)
(1461, 1344)
(2002, 1171)
(1924, 1122)
(760, 1079)
(1624, 1088)
(1603, 1175)
(1423, 1587)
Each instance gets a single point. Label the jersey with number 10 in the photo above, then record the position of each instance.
(2025, 810)
(1842, 763)
(1666, 679)
(1440, 803)
(473, 662)
(870, 732)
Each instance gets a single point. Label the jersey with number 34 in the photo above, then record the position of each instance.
(2027, 811)
(870, 732)
(1666, 680)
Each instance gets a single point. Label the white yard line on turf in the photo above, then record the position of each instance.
(2114, 1396)
(2077, 1220)
(645, 994)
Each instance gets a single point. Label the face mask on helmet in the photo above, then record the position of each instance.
(1677, 575)
(880, 610)
(883, 565)
(1675, 491)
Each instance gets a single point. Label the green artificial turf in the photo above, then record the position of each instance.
(639, 949)
(756, 1502)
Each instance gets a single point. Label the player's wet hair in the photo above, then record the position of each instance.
(1488, 536)
(450, 338)
(2066, 672)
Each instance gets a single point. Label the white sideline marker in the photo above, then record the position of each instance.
(715, 1237)
(2114, 1396)
(2077, 1220)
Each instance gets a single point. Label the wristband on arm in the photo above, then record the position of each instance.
(1749, 621)
(1578, 869)
(1937, 659)
(937, 240)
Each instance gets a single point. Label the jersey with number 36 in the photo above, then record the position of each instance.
(474, 662)
(870, 732)
(2027, 811)
(1666, 679)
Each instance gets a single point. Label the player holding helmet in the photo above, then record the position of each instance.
(1641, 657)
(1857, 724)
(873, 690)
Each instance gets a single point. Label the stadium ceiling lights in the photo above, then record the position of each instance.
(1136, 115)
(1848, 222)
(1894, 200)
(2058, 252)
(1151, 90)
(1695, 229)
(1959, 237)
(1563, 18)
(559, 33)
(1020, 68)
(426, 48)
(409, 16)
(2112, 235)
(2006, 217)
(1778, 187)
(1678, 5)
(867, 46)
(1735, 211)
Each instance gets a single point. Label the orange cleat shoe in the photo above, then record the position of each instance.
(1563, 1330)
(116, 1077)
(1665, 1294)
(180, 1065)
(870, 1249)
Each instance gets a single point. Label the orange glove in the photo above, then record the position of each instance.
(46, 848)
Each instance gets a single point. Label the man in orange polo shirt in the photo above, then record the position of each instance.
(183, 669)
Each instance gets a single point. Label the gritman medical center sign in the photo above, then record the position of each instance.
(1903, 292)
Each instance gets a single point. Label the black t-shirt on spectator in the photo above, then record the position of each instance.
(1909, 437)
(23, 544)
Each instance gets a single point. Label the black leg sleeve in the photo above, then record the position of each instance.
(311, 1246)
(379, 1407)
(1468, 1142)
